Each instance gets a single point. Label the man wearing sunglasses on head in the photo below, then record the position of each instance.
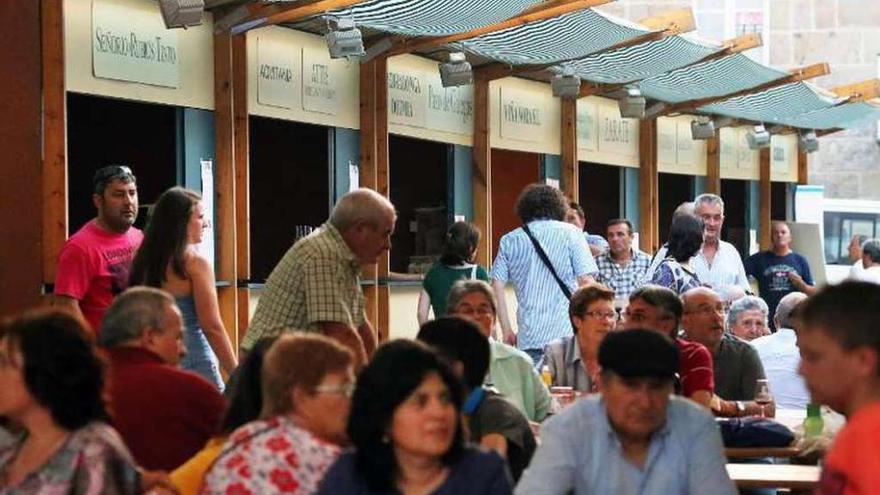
(93, 264)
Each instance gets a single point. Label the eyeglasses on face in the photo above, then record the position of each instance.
(603, 315)
(343, 389)
(470, 311)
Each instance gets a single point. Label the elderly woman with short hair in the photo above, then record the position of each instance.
(307, 382)
(747, 318)
(511, 370)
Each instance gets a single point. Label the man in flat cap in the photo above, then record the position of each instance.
(634, 437)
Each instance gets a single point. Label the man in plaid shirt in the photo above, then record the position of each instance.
(316, 285)
(621, 267)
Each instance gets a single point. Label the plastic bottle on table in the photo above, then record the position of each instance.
(813, 423)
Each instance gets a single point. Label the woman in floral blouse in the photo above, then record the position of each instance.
(307, 385)
(51, 383)
(685, 239)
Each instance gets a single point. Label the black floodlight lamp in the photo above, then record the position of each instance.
(632, 105)
(566, 84)
(703, 128)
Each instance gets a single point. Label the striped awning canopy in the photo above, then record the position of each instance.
(432, 17)
(641, 61)
(720, 77)
(839, 116)
(773, 105)
(561, 38)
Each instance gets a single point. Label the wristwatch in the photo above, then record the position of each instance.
(740, 408)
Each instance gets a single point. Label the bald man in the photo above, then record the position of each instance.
(316, 285)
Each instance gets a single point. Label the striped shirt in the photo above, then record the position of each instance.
(622, 279)
(317, 280)
(542, 312)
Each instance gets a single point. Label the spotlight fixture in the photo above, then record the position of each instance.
(759, 137)
(181, 13)
(566, 84)
(807, 141)
(456, 70)
(703, 128)
(632, 105)
(344, 39)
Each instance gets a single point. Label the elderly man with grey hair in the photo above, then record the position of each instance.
(718, 263)
(747, 318)
(781, 358)
(164, 414)
(316, 285)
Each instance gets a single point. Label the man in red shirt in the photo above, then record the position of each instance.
(656, 308)
(93, 264)
(840, 362)
(164, 414)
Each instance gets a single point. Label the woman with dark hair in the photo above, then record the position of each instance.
(675, 271)
(168, 259)
(51, 385)
(456, 263)
(406, 429)
(245, 405)
(493, 421)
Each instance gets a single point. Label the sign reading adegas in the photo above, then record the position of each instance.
(420, 106)
(132, 44)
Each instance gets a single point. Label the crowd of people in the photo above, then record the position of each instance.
(129, 382)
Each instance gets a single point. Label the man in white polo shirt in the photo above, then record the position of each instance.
(718, 264)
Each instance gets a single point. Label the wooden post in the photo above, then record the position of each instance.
(570, 180)
(54, 135)
(648, 186)
(764, 198)
(241, 154)
(482, 171)
(29, 121)
(383, 186)
(713, 164)
(803, 164)
(367, 171)
(224, 169)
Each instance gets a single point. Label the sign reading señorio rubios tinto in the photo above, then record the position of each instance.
(131, 43)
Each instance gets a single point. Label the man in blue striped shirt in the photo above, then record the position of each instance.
(542, 312)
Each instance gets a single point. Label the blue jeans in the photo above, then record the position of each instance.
(535, 354)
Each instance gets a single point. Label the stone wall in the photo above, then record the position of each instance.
(846, 34)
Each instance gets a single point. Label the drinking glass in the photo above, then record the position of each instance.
(763, 397)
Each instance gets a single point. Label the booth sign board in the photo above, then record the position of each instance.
(278, 74)
(132, 44)
(603, 136)
(522, 115)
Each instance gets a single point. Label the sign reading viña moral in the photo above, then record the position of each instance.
(132, 44)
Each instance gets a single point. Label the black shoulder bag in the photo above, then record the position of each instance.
(546, 260)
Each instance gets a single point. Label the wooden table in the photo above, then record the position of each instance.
(752, 452)
(774, 476)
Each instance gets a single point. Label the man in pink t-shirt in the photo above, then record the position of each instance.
(840, 362)
(94, 263)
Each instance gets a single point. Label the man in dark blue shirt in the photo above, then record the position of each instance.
(779, 271)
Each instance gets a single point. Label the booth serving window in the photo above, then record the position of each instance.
(289, 187)
(736, 229)
(599, 193)
(106, 131)
(674, 189)
(418, 171)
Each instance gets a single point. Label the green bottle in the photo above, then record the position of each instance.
(813, 424)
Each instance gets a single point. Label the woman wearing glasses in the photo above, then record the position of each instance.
(307, 385)
(574, 361)
(168, 259)
(511, 371)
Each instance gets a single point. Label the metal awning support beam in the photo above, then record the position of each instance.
(546, 10)
(796, 75)
(728, 47)
(255, 15)
(662, 25)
